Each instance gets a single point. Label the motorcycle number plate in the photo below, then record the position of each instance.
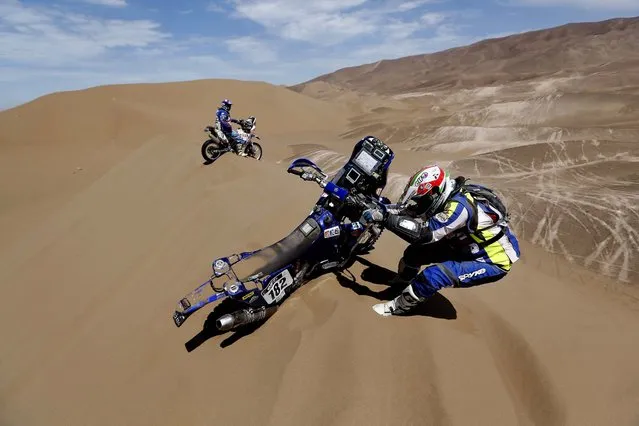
(274, 292)
(331, 232)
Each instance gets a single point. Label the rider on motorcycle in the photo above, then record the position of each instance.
(223, 122)
(463, 235)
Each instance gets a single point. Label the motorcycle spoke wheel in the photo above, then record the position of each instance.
(255, 151)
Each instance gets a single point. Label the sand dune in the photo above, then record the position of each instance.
(109, 217)
(62, 143)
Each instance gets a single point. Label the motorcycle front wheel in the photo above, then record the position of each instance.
(366, 242)
(211, 150)
(255, 151)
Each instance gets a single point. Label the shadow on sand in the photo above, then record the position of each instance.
(438, 306)
(209, 330)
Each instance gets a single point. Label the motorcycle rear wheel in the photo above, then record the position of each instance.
(255, 151)
(211, 150)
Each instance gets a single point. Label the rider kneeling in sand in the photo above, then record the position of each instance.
(458, 228)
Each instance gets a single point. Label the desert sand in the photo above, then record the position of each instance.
(108, 217)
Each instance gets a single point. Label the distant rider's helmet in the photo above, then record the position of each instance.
(427, 191)
(227, 104)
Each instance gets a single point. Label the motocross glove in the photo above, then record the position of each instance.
(371, 215)
(409, 229)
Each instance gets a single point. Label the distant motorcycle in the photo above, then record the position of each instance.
(217, 144)
(330, 237)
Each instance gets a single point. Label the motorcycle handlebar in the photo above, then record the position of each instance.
(341, 193)
(365, 202)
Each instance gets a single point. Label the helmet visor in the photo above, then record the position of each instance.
(421, 204)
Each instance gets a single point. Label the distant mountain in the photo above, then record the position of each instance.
(584, 47)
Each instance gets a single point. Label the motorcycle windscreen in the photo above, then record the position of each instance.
(281, 253)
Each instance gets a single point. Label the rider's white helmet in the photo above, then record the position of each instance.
(427, 191)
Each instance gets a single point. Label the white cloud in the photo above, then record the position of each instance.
(216, 6)
(431, 19)
(585, 4)
(112, 3)
(12, 13)
(399, 30)
(410, 5)
(335, 22)
(322, 22)
(251, 50)
(48, 37)
(208, 60)
(326, 29)
(276, 13)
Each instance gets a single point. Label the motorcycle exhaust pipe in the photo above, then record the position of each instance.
(243, 317)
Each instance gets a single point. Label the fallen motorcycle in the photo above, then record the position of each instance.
(217, 144)
(327, 240)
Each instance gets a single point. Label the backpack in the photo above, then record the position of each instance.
(497, 210)
(488, 198)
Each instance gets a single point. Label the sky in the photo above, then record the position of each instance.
(54, 45)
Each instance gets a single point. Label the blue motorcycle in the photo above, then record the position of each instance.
(328, 240)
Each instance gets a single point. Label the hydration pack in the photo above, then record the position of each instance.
(486, 197)
(489, 199)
